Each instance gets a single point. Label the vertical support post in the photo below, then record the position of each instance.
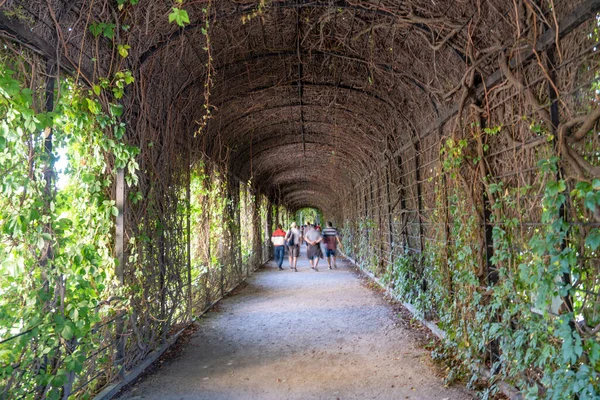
(206, 184)
(188, 198)
(49, 167)
(419, 194)
(447, 232)
(47, 258)
(237, 255)
(363, 251)
(378, 198)
(256, 242)
(380, 224)
(120, 265)
(488, 240)
(389, 216)
(492, 273)
(269, 228)
(221, 267)
(555, 117)
(419, 211)
(162, 281)
(403, 215)
(120, 226)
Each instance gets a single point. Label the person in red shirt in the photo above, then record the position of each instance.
(278, 240)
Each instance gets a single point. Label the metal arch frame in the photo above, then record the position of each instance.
(275, 130)
(243, 166)
(288, 52)
(285, 170)
(303, 188)
(295, 82)
(286, 4)
(386, 67)
(297, 104)
(356, 90)
(242, 134)
(582, 13)
(389, 104)
(292, 105)
(361, 91)
(293, 188)
(322, 200)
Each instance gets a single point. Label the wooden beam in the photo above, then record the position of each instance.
(13, 30)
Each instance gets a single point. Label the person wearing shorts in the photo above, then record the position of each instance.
(313, 238)
(293, 238)
(331, 240)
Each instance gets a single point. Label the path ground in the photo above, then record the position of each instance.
(299, 335)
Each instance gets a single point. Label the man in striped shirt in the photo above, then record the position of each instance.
(331, 240)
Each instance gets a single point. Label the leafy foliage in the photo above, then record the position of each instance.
(57, 265)
(179, 16)
(543, 346)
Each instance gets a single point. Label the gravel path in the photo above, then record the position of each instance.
(305, 335)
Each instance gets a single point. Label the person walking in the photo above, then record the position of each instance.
(331, 239)
(293, 238)
(313, 252)
(278, 240)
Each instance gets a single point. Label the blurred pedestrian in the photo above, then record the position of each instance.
(278, 240)
(331, 240)
(313, 238)
(293, 238)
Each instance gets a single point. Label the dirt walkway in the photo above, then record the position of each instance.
(305, 335)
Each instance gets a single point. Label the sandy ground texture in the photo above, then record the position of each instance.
(299, 335)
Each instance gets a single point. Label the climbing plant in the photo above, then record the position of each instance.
(456, 145)
(58, 282)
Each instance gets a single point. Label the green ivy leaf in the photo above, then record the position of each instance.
(40, 243)
(593, 239)
(96, 29)
(557, 187)
(590, 201)
(179, 16)
(123, 50)
(594, 352)
(109, 31)
(68, 331)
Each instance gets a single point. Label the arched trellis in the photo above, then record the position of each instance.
(387, 68)
(288, 4)
(388, 193)
(263, 90)
(283, 170)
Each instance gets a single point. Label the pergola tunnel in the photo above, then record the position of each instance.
(148, 149)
